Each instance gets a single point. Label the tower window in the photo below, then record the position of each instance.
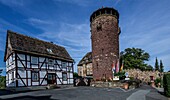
(99, 28)
(102, 51)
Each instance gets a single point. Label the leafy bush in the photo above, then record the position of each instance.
(2, 82)
(121, 75)
(166, 84)
(158, 81)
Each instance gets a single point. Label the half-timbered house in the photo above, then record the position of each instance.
(33, 62)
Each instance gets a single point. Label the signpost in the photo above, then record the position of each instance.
(127, 76)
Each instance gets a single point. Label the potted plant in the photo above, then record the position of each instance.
(125, 85)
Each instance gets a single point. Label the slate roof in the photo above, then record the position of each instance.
(28, 44)
(86, 59)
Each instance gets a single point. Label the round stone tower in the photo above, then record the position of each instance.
(105, 42)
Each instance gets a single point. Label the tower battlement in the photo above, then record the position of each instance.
(104, 11)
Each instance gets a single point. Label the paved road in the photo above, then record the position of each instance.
(83, 93)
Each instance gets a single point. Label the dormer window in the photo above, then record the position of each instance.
(50, 51)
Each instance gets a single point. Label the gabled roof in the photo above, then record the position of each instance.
(35, 46)
(86, 59)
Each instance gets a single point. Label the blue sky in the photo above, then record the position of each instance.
(144, 24)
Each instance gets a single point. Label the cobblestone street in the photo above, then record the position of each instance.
(145, 92)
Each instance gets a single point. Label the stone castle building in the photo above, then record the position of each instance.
(105, 49)
(105, 41)
(85, 70)
(85, 66)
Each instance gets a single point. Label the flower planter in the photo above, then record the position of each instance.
(153, 84)
(126, 86)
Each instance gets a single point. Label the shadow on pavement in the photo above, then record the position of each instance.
(31, 98)
(5, 92)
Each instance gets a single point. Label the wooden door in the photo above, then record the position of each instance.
(51, 78)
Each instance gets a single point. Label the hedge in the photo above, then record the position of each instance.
(2, 82)
(166, 84)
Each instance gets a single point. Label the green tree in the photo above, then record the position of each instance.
(156, 65)
(0, 71)
(161, 66)
(135, 58)
(2, 80)
(75, 74)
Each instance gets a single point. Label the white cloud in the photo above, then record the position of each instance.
(74, 37)
(77, 2)
(35, 21)
(13, 3)
(3, 32)
(148, 29)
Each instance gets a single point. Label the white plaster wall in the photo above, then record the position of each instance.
(59, 74)
(71, 75)
(41, 59)
(70, 64)
(71, 81)
(28, 57)
(29, 82)
(58, 81)
(20, 83)
(29, 74)
(44, 82)
(68, 75)
(25, 81)
(21, 56)
(42, 74)
(10, 60)
(22, 73)
(58, 61)
(6, 79)
(11, 84)
(35, 83)
(6, 65)
(58, 68)
(13, 56)
(51, 67)
(12, 66)
(28, 64)
(44, 65)
(10, 77)
(64, 82)
(34, 66)
(20, 64)
(51, 71)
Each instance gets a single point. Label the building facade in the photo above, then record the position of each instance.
(33, 62)
(85, 66)
(105, 42)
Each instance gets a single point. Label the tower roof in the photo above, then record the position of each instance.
(106, 11)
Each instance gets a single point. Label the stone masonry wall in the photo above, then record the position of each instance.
(143, 75)
(105, 45)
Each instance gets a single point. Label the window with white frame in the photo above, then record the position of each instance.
(35, 76)
(50, 62)
(34, 60)
(69, 68)
(64, 76)
(64, 65)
